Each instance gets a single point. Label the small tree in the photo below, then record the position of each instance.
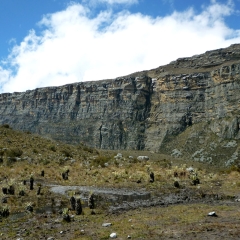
(22, 191)
(31, 182)
(195, 179)
(176, 184)
(4, 211)
(39, 189)
(5, 190)
(151, 177)
(29, 207)
(91, 202)
(65, 215)
(78, 206)
(65, 174)
(73, 202)
(11, 189)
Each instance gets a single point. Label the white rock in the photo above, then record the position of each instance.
(190, 169)
(73, 161)
(141, 158)
(119, 155)
(113, 235)
(212, 214)
(176, 153)
(106, 224)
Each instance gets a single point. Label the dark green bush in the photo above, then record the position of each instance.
(84, 147)
(46, 162)
(35, 150)
(66, 152)
(14, 152)
(233, 168)
(87, 149)
(5, 125)
(52, 148)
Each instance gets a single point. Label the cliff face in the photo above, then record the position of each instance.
(105, 114)
(190, 108)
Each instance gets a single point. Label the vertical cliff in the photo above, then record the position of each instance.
(195, 107)
(189, 108)
(105, 114)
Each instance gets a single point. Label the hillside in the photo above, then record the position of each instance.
(162, 197)
(188, 108)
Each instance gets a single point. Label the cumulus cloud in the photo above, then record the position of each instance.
(119, 1)
(111, 2)
(74, 46)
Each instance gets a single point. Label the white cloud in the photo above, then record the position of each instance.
(119, 1)
(74, 46)
(111, 2)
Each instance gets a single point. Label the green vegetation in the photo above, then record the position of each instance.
(30, 155)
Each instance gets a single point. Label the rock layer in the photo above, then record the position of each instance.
(183, 107)
(105, 114)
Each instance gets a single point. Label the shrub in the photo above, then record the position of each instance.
(14, 152)
(165, 164)
(66, 153)
(84, 147)
(52, 148)
(45, 161)
(100, 160)
(88, 149)
(233, 168)
(4, 211)
(35, 150)
(5, 126)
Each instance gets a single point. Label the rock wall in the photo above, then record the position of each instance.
(181, 108)
(195, 107)
(104, 114)
(180, 101)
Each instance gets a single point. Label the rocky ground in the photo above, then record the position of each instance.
(172, 217)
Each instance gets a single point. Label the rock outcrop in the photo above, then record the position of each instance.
(105, 114)
(190, 107)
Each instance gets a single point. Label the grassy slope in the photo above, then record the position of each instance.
(35, 154)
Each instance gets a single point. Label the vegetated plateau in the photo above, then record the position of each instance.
(159, 198)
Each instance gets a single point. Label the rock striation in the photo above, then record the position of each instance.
(105, 114)
(188, 108)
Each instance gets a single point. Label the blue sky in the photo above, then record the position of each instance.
(55, 42)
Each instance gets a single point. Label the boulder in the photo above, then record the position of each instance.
(142, 158)
(106, 224)
(113, 235)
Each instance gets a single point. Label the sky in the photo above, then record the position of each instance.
(56, 42)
